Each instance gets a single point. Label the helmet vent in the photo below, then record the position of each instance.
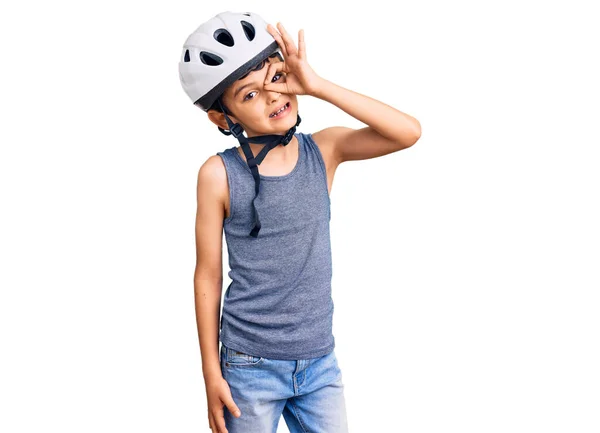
(248, 29)
(224, 37)
(186, 58)
(210, 59)
(246, 13)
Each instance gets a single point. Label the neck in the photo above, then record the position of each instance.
(283, 151)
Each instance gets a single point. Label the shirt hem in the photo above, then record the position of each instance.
(242, 347)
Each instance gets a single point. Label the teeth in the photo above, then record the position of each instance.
(279, 111)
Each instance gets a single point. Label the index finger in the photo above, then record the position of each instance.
(273, 31)
(289, 42)
(220, 421)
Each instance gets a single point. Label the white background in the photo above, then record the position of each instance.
(466, 268)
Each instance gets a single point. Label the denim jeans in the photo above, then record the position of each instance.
(309, 393)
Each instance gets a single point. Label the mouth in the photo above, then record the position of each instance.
(282, 111)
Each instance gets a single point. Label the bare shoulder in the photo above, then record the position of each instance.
(212, 182)
(212, 185)
(326, 139)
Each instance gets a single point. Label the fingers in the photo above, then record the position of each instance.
(217, 418)
(212, 424)
(220, 421)
(278, 38)
(286, 43)
(279, 85)
(218, 425)
(289, 42)
(301, 45)
(232, 407)
(273, 69)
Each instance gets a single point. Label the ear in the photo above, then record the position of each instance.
(218, 119)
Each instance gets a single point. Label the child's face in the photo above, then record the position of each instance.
(252, 105)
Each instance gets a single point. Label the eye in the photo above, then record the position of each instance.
(246, 98)
(276, 75)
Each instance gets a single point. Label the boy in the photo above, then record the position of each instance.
(277, 354)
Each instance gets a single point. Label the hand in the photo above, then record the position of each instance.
(300, 79)
(218, 394)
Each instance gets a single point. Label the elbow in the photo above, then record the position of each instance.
(416, 133)
(417, 130)
(416, 138)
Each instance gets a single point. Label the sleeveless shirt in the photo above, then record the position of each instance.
(279, 304)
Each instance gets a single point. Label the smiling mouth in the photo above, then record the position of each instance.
(284, 108)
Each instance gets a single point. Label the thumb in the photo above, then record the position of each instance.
(276, 87)
(233, 407)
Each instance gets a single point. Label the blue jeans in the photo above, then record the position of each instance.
(309, 393)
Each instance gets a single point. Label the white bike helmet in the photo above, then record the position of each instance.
(215, 55)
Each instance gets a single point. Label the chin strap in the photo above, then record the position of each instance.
(270, 141)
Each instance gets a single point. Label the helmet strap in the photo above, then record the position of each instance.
(270, 141)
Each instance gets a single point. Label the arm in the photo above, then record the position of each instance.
(389, 129)
(208, 283)
(208, 276)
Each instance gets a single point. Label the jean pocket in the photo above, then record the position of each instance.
(235, 358)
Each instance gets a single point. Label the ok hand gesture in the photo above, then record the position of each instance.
(300, 79)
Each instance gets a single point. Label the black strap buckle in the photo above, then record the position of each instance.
(251, 162)
(288, 136)
(236, 130)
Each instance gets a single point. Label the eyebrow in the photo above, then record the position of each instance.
(255, 83)
(239, 89)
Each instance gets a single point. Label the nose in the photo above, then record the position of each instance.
(274, 95)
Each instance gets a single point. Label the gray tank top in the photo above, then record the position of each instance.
(279, 302)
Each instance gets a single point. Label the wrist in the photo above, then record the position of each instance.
(213, 378)
(211, 371)
(320, 88)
